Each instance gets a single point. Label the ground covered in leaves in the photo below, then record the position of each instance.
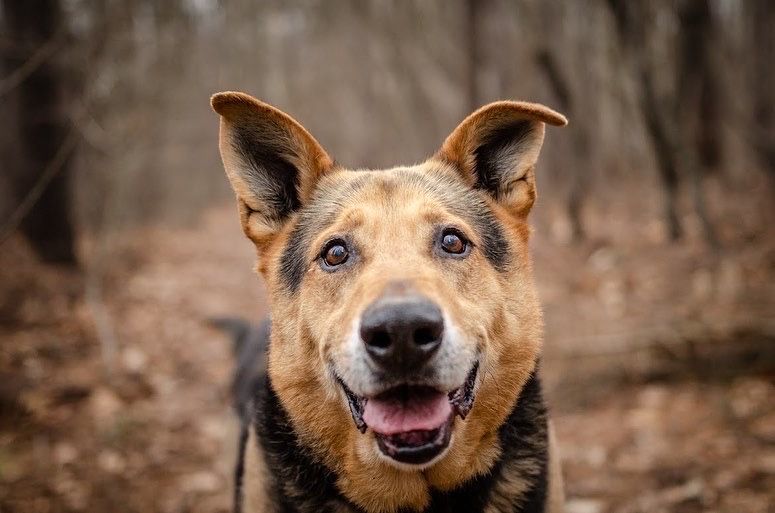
(659, 364)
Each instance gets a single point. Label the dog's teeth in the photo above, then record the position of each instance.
(356, 405)
(356, 409)
(462, 399)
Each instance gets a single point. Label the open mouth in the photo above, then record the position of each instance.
(412, 423)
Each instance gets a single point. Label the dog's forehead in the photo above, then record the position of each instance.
(364, 184)
(393, 188)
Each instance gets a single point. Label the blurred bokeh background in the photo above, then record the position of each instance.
(654, 244)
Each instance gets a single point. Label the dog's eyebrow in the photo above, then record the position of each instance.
(329, 200)
(469, 205)
(351, 219)
(432, 215)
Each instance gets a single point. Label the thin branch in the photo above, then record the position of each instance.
(36, 60)
(54, 166)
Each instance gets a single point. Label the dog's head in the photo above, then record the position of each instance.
(405, 321)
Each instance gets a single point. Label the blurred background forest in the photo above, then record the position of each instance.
(654, 244)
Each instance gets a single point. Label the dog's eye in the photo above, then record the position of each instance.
(453, 242)
(335, 253)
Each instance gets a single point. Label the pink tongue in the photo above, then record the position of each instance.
(391, 416)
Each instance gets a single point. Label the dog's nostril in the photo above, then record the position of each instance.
(379, 339)
(426, 336)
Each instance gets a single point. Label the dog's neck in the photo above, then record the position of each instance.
(517, 482)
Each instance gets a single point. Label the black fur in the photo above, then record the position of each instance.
(496, 246)
(303, 484)
(267, 165)
(490, 173)
(239, 467)
(524, 437)
(294, 261)
(249, 346)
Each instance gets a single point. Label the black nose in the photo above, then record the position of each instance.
(401, 334)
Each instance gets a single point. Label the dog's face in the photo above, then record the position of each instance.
(404, 317)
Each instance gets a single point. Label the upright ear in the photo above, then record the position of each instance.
(272, 162)
(495, 149)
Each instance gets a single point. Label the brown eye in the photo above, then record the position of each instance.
(453, 243)
(335, 253)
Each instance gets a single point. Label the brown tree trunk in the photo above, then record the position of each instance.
(664, 151)
(561, 89)
(42, 126)
(698, 105)
(629, 16)
(762, 42)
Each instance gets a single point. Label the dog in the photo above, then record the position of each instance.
(399, 371)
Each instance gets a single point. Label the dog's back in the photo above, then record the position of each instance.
(249, 344)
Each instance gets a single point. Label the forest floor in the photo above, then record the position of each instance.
(114, 393)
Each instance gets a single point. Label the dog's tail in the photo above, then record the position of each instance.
(249, 343)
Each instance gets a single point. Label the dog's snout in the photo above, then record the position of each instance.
(402, 334)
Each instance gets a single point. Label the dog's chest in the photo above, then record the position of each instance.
(296, 483)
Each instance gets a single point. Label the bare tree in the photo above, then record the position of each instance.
(631, 28)
(762, 78)
(41, 179)
(698, 105)
(561, 88)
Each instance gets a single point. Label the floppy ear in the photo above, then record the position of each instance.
(272, 162)
(495, 149)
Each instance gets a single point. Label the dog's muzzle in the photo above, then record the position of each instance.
(413, 416)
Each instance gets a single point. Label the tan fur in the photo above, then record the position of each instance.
(461, 144)
(255, 478)
(494, 310)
